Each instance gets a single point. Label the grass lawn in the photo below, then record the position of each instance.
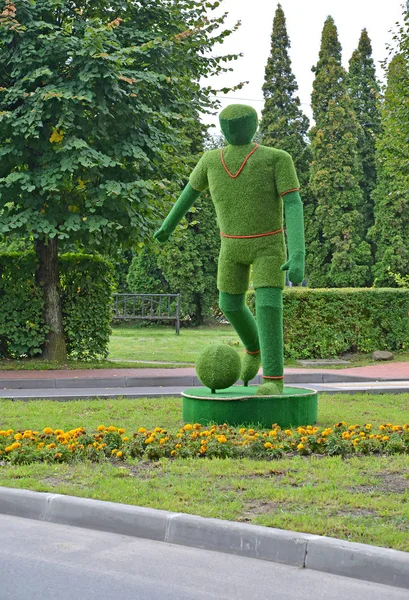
(162, 344)
(362, 498)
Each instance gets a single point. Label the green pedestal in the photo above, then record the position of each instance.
(238, 405)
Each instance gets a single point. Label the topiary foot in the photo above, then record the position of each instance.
(268, 388)
(250, 365)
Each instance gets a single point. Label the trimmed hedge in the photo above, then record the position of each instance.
(321, 323)
(22, 330)
(87, 284)
(86, 294)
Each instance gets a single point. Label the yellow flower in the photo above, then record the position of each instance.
(18, 436)
(57, 455)
(119, 454)
(121, 431)
(300, 446)
(162, 441)
(368, 426)
(50, 446)
(57, 136)
(288, 432)
(58, 432)
(8, 449)
(179, 435)
(114, 451)
(48, 430)
(125, 439)
(222, 439)
(173, 453)
(385, 438)
(100, 427)
(178, 446)
(242, 430)
(187, 427)
(41, 445)
(141, 430)
(202, 449)
(149, 440)
(268, 445)
(112, 428)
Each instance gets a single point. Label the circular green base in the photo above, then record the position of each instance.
(238, 405)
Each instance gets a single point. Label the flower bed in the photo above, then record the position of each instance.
(56, 445)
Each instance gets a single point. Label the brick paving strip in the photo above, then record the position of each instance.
(385, 371)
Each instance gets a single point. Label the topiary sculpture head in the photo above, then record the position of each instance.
(238, 123)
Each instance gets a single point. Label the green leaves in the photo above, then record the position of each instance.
(90, 102)
(338, 255)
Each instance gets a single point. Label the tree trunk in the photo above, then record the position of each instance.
(47, 277)
(199, 313)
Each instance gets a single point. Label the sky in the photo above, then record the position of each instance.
(305, 20)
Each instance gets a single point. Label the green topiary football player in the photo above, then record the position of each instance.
(249, 185)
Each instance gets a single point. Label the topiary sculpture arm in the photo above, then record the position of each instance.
(294, 220)
(180, 208)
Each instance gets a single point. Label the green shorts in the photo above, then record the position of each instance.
(265, 254)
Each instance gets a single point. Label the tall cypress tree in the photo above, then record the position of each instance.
(364, 91)
(339, 257)
(283, 124)
(390, 232)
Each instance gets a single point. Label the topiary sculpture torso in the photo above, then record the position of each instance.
(249, 185)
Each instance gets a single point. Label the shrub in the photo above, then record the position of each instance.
(320, 323)
(22, 330)
(87, 285)
(86, 288)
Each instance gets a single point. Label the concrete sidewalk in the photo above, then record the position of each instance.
(157, 382)
(66, 384)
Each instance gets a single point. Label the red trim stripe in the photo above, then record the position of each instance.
(273, 377)
(289, 192)
(242, 165)
(248, 351)
(256, 235)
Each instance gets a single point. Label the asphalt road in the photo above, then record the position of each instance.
(41, 561)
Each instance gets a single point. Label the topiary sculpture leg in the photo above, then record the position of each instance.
(269, 311)
(239, 315)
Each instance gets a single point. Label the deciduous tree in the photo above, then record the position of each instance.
(92, 99)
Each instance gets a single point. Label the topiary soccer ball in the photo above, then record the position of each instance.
(218, 367)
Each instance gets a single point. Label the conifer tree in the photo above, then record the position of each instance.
(339, 256)
(364, 91)
(283, 125)
(390, 232)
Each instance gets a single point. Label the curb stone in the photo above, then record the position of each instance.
(348, 559)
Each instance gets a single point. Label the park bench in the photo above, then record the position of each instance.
(148, 307)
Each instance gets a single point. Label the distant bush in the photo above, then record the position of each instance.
(320, 323)
(86, 292)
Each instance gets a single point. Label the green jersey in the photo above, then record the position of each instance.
(246, 184)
